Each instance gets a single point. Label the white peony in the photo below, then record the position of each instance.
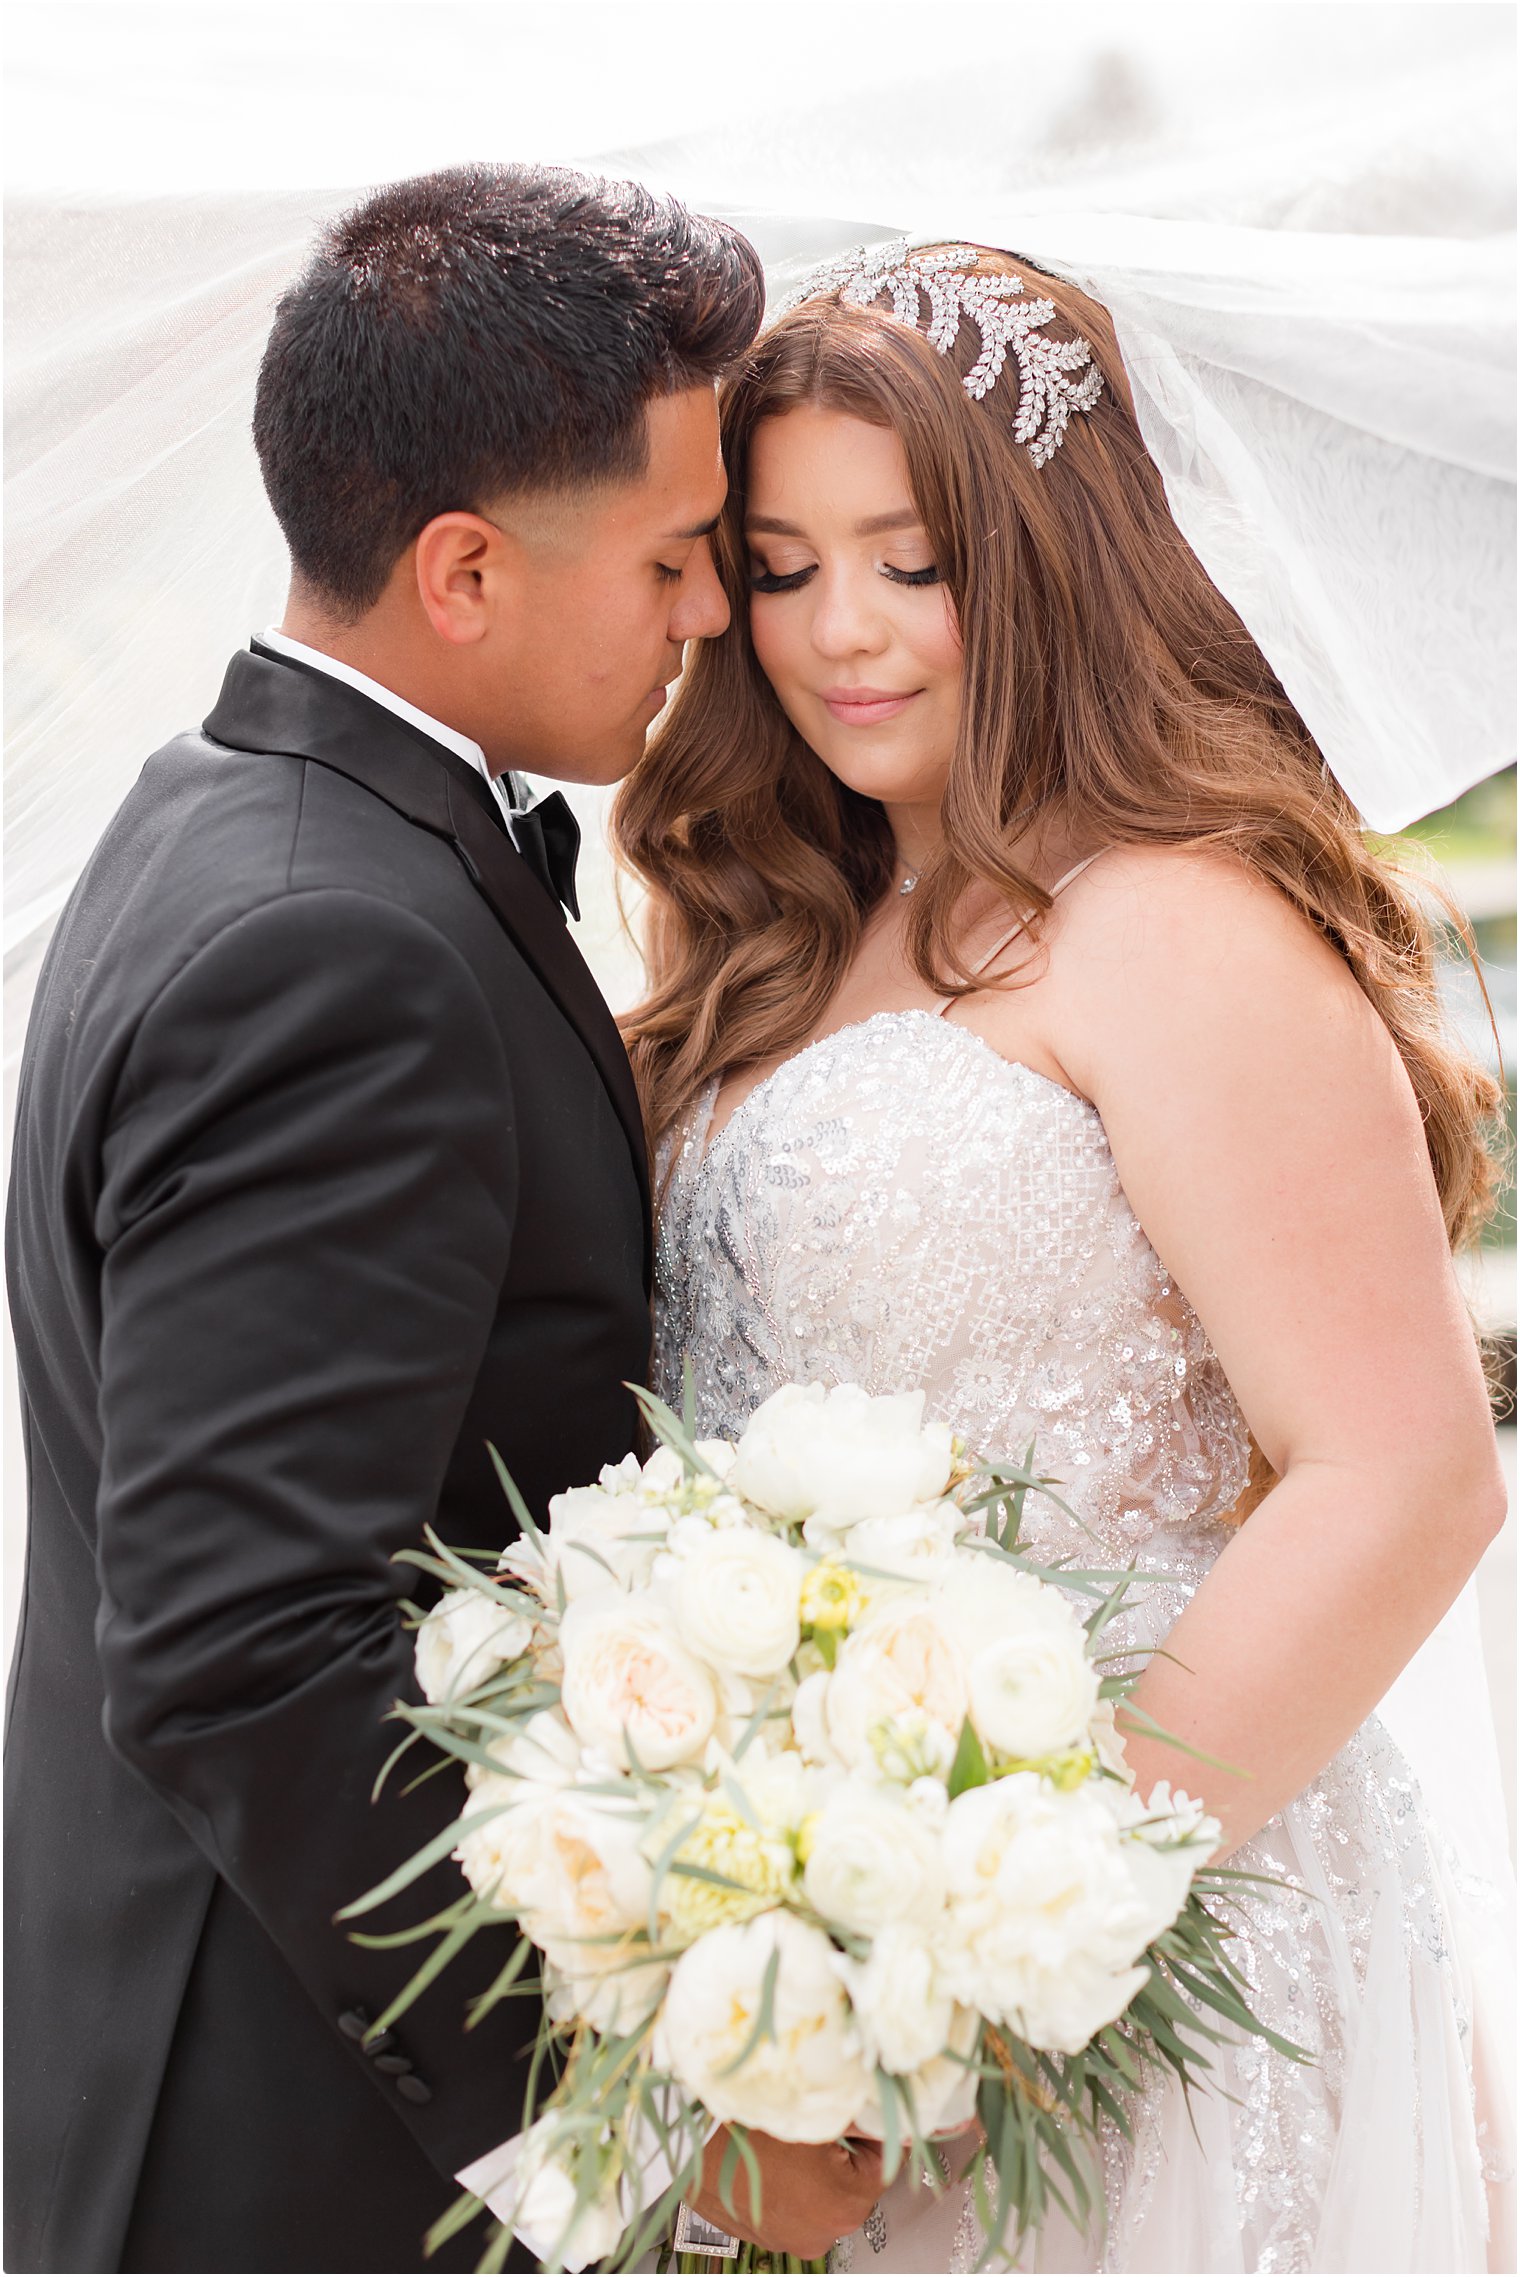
(899, 1675)
(871, 1860)
(1166, 1842)
(736, 1597)
(1045, 1920)
(915, 1545)
(465, 1639)
(902, 2006)
(805, 2081)
(911, 2027)
(810, 1718)
(834, 1457)
(594, 1541)
(542, 2187)
(630, 1687)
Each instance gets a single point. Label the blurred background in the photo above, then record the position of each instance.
(166, 165)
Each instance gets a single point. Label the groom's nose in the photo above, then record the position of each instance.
(701, 609)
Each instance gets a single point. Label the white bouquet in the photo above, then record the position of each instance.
(802, 1786)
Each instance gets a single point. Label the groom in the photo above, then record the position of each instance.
(328, 1169)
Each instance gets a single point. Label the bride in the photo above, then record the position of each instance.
(1030, 1020)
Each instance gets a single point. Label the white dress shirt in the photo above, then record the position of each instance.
(493, 2173)
(508, 790)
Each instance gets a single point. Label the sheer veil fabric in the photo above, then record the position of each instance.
(1327, 391)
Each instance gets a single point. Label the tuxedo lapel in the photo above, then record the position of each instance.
(276, 704)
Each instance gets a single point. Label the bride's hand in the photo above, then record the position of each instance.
(811, 2194)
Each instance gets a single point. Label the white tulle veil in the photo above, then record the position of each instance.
(1318, 333)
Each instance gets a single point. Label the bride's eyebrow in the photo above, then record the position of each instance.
(901, 518)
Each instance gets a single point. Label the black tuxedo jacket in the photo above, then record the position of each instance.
(328, 1169)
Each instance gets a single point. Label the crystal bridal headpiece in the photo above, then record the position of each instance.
(1048, 392)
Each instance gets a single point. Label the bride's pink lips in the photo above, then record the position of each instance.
(864, 707)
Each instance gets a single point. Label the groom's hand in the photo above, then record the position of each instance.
(811, 2194)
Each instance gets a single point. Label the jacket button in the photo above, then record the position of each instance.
(395, 2063)
(378, 2042)
(414, 2089)
(353, 2023)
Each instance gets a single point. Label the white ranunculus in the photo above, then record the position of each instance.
(1033, 1694)
(871, 1860)
(630, 1687)
(1045, 1921)
(834, 1457)
(736, 1600)
(805, 2083)
(465, 1639)
(901, 1667)
(544, 2189)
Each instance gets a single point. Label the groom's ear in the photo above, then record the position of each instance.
(466, 567)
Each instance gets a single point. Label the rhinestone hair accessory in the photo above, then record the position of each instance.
(1048, 390)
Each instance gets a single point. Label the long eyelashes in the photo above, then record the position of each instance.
(762, 580)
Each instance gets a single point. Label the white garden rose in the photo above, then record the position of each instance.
(834, 1457)
(900, 1675)
(614, 1987)
(804, 2083)
(501, 1853)
(736, 1597)
(1045, 1921)
(630, 1687)
(593, 1879)
(871, 1860)
(465, 1639)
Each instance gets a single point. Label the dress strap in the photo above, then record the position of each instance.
(1014, 930)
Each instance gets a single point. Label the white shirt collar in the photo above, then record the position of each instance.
(506, 790)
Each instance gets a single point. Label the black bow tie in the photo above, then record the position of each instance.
(548, 838)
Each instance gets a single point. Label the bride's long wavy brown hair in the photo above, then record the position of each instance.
(1104, 678)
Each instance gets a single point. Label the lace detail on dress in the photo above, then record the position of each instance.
(898, 1205)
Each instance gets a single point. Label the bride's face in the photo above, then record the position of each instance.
(851, 623)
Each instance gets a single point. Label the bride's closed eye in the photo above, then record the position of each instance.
(763, 580)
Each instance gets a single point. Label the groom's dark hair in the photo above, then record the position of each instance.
(477, 332)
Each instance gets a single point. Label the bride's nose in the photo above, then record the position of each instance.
(847, 620)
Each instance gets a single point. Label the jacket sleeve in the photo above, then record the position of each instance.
(306, 1212)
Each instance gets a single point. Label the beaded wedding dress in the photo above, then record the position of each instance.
(898, 1205)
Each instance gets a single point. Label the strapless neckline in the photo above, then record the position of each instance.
(1017, 1067)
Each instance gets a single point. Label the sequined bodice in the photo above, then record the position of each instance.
(897, 1206)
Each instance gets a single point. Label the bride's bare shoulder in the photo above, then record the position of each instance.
(1149, 901)
(1152, 934)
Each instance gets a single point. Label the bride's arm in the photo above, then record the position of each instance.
(1268, 1139)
